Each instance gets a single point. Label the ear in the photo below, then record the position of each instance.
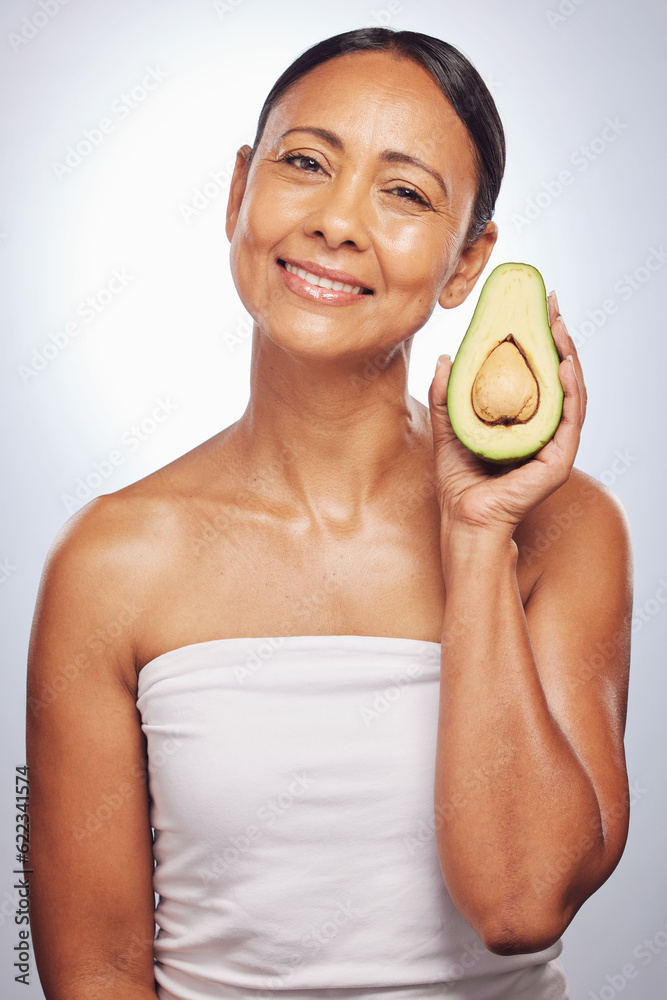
(237, 189)
(470, 265)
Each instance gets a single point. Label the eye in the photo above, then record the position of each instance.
(410, 195)
(294, 158)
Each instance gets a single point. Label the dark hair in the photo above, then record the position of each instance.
(455, 75)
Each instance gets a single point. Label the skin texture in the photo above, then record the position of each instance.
(338, 504)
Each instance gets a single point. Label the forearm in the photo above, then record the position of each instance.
(512, 797)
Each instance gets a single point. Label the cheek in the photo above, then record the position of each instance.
(257, 230)
(268, 213)
(263, 222)
(257, 220)
(417, 260)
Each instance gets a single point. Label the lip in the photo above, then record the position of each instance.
(327, 272)
(315, 293)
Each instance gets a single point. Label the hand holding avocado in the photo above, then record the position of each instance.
(507, 398)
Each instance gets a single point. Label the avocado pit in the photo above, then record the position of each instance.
(505, 390)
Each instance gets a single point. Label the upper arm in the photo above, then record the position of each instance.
(92, 902)
(579, 616)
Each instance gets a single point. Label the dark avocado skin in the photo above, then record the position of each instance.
(512, 303)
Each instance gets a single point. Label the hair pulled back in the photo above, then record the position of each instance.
(457, 78)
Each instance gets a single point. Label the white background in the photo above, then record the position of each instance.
(178, 333)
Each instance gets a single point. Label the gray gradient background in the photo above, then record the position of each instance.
(167, 334)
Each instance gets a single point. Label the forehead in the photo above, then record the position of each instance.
(375, 96)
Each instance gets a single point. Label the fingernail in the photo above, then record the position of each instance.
(443, 357)
(555, 302)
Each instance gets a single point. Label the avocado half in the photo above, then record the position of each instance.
(504, 398)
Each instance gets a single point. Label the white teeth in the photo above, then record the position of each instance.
(315, 279)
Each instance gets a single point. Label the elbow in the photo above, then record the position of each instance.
(521, 937)
(530, 928)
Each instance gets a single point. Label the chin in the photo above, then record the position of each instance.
(312, 337)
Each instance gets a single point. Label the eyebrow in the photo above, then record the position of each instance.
(387, 155)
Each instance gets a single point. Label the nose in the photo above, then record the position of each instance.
(340, 213)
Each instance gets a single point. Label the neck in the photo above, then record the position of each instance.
(330, 435)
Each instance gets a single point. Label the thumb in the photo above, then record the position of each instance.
(437, 401)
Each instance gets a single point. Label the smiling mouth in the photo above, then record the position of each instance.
(315, 279)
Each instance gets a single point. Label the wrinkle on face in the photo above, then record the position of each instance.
(374, 102)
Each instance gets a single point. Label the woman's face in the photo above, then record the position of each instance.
(365, 169)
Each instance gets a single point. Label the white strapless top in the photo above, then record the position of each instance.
(291, 784)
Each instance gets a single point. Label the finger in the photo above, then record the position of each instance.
(565, 346)
(552, 307)
(443, 368)
(562, 449)
(566, 349)
(437, 396)
(443, 433)
(562, 339)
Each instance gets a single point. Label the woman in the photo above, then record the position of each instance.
(358, 787)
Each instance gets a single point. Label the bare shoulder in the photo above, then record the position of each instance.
(111, 543)
(107, 562)
(125, 532)
(582, 524)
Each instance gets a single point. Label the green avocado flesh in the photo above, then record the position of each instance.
(505, 398)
